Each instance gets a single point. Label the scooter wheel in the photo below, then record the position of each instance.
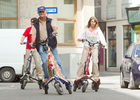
(46, 89)
(85, 84)
(96, 90)
(58, 88)
(75, 87)
(79, 85)
(40, 84)
(68, 87)
(23, 84)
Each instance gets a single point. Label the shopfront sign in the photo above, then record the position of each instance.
(50, 10)
(133, 15)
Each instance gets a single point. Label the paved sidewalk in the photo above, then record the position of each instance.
(109, 73)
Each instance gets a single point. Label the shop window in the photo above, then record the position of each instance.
(8, 14)
(126, 37)
(112, 47)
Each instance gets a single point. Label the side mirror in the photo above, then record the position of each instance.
(128, 56)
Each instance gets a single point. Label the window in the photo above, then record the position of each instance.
(65, 31)
(66, 21)
(8, 14)
(68, 1)
(98, 9)
(97, 2)
(65, 10)
(111, 9)
(125, 4)
(8, 24)
(112, 46)
(126, 37)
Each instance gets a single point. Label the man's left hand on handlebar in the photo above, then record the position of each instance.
(32, 44)
(54, 33)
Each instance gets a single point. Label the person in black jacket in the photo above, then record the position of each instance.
(44, 29)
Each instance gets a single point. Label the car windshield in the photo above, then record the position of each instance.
(137, 51)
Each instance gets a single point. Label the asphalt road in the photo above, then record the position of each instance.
(109, 90)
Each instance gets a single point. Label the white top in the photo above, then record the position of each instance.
(95, 36)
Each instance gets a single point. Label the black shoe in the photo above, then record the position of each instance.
(40, 83)
(95, 85)
(75, 85)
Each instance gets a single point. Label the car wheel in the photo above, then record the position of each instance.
(123, 84)
(132, 82)
(7, 74)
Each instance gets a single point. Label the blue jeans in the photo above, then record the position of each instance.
(43, 55)
(56, 56)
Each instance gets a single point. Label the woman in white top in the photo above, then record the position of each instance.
(93, 34)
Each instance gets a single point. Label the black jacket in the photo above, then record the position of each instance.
(52, 41)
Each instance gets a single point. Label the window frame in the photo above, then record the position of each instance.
(74, 30)
(12, 18)
(114, 38)
(108, 11)
(126, 38)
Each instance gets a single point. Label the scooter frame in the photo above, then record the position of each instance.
(27, 75)
(57, 79)
(83, 82)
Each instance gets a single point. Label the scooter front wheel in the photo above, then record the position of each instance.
(58, 88)
(23, 81)
(75, 87)
(46, 89)
(40, 84)
(23, 84)
(85, 84)
(68, 87)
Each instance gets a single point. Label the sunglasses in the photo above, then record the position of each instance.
(41, 11)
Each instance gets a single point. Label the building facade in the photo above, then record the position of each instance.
(72, 17)
(118, 30)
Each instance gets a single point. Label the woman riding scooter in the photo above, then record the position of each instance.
(92, 33)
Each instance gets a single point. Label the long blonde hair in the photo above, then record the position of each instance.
(95, 19)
